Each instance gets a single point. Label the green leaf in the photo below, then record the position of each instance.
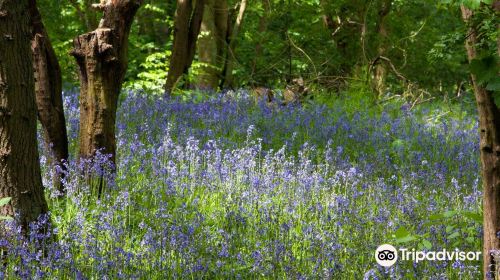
(477, 217)
(406, 239)
(471, 4)
(6, 218)
(449, 214)
(485, 68)
(435, 217)
(409, 276)
(403, 236)
(401, 232)
(494, 84)
(427, 244)
(4, 201)
(470, 239)
(398, 144)
(454, 235)
(449, 229)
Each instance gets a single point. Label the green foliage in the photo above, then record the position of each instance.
(294, 41)
(486, 65)
(4, 201)
(475, 4)
(153, 73)
(150, 33)
(456, 228)
(150, 43)
(486, 71)
(63, 25)
(471, 4)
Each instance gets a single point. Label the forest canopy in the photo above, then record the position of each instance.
(331, 44)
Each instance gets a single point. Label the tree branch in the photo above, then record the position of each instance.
(388, 61)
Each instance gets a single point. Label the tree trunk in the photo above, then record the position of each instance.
(229, 64)
(101, 56)
(263, 21)
(48, 92)
(20, 176)
(489, 127)
(187, 27)
(380, 72)
(341, 31)
(212, 44)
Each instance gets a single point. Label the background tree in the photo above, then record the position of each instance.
(380, 71)
(262, 28)
(101, 56)
(484, 66)
(188, 17)
(232, 37)
(212, 43)
(20, 176)
(48, 91)
(320, 41)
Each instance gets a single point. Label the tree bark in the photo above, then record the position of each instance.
(48, 92)
(489, 127)
(212, 44)
(380, 72)
(101, 56)
(229, 63)
(20, 176)
(187, 27)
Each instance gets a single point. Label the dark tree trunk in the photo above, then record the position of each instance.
(102, 60)
(187, 27)
(489, 127)
(220, 18)
(48, 91)
(20, 176)
(230, 59)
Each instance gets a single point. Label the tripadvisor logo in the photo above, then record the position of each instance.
(386, 255)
